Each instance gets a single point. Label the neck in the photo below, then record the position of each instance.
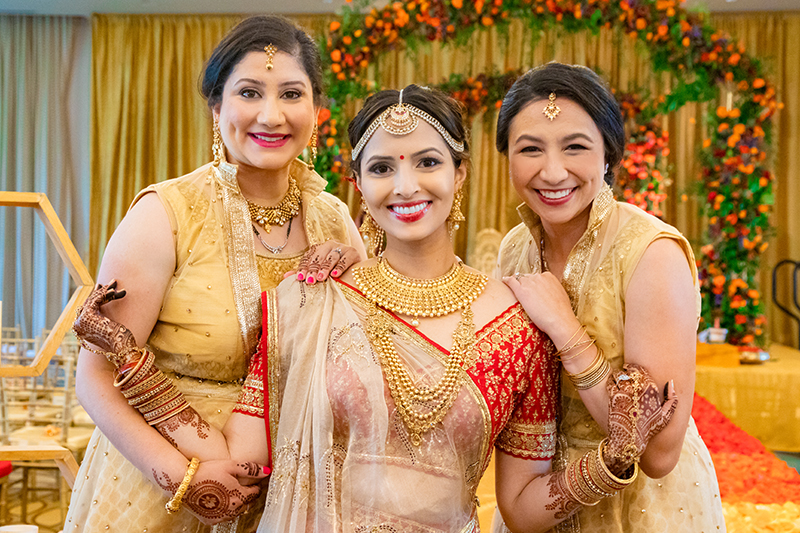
(265, 187)
(422, 260)
(560, 239)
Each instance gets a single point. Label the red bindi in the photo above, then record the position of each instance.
(402, 157)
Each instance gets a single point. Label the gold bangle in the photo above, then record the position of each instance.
(567, 347)
(590, 341)
(594, 374)
(174, 504)
(141, 369)
(607, 477)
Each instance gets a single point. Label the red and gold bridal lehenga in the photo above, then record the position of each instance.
(341, 455)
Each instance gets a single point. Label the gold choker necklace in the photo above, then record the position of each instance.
(277, 215)
(384, 286)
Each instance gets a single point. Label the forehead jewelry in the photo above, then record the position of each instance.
(551, 110)
(402, 119)
(270, 51)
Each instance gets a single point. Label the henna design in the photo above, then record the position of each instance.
(306, 259)
(92, 326)
(187, 417)
(167, 484)
(562, 503)
(250, 468)
(341, 266)
(212, 500)
(635, 416)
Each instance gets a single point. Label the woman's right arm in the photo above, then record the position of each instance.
(141, 255)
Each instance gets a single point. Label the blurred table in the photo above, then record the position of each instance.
(764, 399)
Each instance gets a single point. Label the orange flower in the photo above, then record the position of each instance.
(758, 83)
(734, 59)
(740, 319)
(458, 4)
(336, 56)
(347, 40)
(685, 42)
(763, 208)
(357, 34)
(336, 67)
(330, 141)
(722, 127)
(722, 111)
(735, 112)
(641, 24)
(706, 143)
(662, 30)
(753, 294)
(487, 21)
(739, 129)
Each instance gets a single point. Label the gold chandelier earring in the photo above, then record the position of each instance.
(456, 216)
(313, 144)
(371, 231)
(217, 148)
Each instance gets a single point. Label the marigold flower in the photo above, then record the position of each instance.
(758, 83)
(335, 25)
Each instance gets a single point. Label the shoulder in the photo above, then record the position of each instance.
(512, 247)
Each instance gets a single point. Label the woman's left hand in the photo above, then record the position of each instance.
(636, 414)
(546, 303)
(330, 258)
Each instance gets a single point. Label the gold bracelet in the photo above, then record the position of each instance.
(595, 373)
(589, 341)
(607, 478)
(567, 347)
(174, 504)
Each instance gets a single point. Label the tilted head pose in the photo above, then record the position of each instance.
(377, 398)
(610, 285)
(194, 254)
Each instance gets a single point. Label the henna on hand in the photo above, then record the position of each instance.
(562, 502)
(635, 416)
(212, 500)
(305, 261)
(187, 417)
(93, 327)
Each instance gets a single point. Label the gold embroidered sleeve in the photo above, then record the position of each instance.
(251, 399)
(530, 433)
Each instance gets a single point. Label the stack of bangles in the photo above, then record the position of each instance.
(151, 392)
(588, 479)
(596, 372)
(174, 505)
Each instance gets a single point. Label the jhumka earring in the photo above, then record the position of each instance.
(217, 148)
(371, 231)
(456, 216)
(551, 111)
(270, 51)
(313, 144)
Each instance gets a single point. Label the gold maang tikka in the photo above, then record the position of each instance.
(402, 119)
(270, 51)
(551, 111)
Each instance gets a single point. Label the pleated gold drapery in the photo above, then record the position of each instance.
(149, 122)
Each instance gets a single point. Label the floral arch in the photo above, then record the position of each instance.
(734, 188)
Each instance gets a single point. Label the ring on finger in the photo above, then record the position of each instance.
(517, 275)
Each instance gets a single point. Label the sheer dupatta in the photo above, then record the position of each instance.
(341, 456)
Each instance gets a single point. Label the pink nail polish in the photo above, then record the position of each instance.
(267, 470)
(335, 273)
(300, 276)
(310, 280)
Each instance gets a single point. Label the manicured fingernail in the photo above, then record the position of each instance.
(267, 470)
(321, 276)
(310, 280)
(300, 276)
(335, 273)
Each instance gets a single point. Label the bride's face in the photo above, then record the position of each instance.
(409, 183)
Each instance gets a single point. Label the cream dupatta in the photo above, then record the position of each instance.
(342, 461)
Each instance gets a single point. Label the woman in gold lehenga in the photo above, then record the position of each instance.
(610, 285)
(378, 397)
(195, 253)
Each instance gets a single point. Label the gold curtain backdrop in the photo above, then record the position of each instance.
(149, 122)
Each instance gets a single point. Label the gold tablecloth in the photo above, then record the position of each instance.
(764, 400)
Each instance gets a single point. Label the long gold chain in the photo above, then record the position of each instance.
(440, 296)
(277, 215)
(437, 400)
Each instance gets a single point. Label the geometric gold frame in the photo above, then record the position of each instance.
(77, 270)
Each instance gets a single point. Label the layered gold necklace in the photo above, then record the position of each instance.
(277, 215)
(385, 287)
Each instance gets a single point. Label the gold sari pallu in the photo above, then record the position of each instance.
(342, 461)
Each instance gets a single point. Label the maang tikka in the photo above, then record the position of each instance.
(270, 51)
(551, 110)
(402, 119)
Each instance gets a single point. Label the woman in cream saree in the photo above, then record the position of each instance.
(377, 398)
